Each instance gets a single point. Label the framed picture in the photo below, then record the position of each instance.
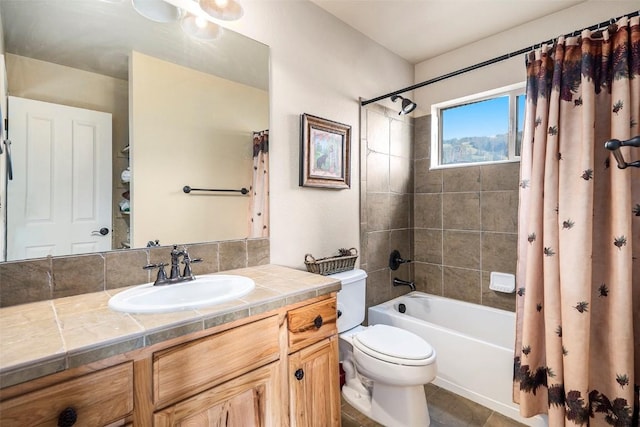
(324, 153)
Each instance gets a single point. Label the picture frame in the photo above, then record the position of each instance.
(325, 153)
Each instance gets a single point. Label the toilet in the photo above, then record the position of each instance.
(385, 367)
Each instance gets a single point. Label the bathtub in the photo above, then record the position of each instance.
(474, 346)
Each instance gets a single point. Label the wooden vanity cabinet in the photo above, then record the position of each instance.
(314, 388)
(244, 373)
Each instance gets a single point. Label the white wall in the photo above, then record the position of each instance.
(322, 67)
(511, 70)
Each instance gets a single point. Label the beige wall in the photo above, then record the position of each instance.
(190, 128)
(319, 66)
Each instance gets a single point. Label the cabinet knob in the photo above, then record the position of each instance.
(299, 374)
(67, 417)
(317, 322)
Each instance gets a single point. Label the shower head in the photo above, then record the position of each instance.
(407, 104)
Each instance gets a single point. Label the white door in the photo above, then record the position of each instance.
(3, 157)
(60, 195)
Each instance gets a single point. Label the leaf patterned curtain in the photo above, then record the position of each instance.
(577, 354)
(259, 191)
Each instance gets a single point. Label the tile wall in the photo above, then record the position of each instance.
(465, 225)
(55, 277)
(386, 212)
(457, 225)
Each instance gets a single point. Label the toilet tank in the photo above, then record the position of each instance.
(351, 298)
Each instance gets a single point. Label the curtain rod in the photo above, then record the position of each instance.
(492, 61)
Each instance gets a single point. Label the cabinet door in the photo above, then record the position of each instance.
(187, 369)
(314, 385)
(95, 399)
(241, 402)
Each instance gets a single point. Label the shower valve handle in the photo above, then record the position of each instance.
(395, 259)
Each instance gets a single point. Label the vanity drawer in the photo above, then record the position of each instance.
(187, 369)
(311, 323)
(98, 398)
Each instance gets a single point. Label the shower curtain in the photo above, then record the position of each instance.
(259, 191)
(577, 354)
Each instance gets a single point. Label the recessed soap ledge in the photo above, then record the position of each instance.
(45, 337)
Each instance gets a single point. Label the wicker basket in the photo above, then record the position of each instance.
(331, 265)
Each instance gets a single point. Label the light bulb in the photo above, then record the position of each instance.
(201, 22)
(222, 3)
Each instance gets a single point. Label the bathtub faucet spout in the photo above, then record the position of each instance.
(400, 282)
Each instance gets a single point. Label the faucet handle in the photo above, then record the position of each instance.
(150, 266)
(187, 261)
(162, 275)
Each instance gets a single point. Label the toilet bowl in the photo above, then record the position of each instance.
(385, 367)
(394, 356)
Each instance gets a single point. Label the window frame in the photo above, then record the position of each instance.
(513, 91)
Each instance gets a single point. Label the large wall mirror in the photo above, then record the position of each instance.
(179, 110)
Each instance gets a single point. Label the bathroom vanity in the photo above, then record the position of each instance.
(270, 359)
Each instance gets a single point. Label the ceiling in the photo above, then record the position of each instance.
(445, 25)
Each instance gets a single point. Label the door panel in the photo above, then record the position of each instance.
(61, 191)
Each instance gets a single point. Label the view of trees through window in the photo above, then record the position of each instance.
(479, 131)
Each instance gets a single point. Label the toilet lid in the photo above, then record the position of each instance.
(392, 342)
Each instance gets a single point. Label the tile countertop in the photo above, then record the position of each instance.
(45, 337)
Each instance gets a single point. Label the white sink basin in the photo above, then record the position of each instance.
(204, 291)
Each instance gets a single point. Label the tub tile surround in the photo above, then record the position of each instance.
(57, 277)
(45, 337)
(465, 225)
(386, 217)
(457, 224)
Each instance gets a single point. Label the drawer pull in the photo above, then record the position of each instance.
(299, 374)
(317, 322)
(67, 417)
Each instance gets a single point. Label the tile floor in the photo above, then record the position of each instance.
(446, 410)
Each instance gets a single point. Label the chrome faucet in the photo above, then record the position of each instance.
(175, 276)
(400, 282)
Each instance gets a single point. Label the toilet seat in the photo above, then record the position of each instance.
(394, 345)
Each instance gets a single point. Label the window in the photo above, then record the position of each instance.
(478, 129)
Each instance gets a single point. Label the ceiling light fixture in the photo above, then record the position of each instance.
(199, 28)
(225, 10)
(157, 10)
(407, 104)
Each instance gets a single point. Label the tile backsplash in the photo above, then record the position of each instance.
(55, 277)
